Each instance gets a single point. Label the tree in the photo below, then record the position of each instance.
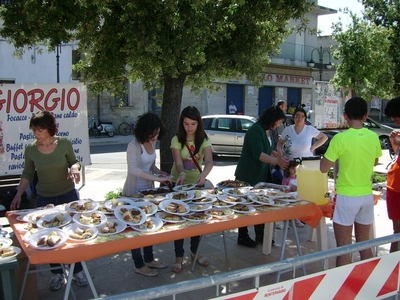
(170, 43)
(364, 61)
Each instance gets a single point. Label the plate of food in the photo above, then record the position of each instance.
(205, 200)
(198, 207)
(151, 224)
(80, 233)
(259, 199)
(184, 187)
(156, 191)
(182, 196)
(114, 203)
(148, 207)
(55, 220)
(5, 242)
(81, 206)
(243, 209)
(105, 210)
(90, 219)
(170, 218)
(280, 202)
(48, 239)
(198, 194)
(198, 217)
(222, 204)
(174, 207)
(231, 199)
(36, 215)
(8, 253)
(274, 193)
(237, 192)
(112, 226)
(131, 215)
(220, 213)
(231, 184)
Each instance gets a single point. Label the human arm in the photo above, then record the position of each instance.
(208, 165)
(395, 139)
(325, 164)
(176, 154)
(321, 139)
(274, 159)
(23, 185)
(74, 166)
(279, 147)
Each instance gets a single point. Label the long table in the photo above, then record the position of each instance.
(73, 252)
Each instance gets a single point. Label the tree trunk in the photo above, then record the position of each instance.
(171, 108)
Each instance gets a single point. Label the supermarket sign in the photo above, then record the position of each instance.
(18, 102)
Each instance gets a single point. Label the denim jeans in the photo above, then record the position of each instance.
(194, 244)
(66, 198)
(138, 259)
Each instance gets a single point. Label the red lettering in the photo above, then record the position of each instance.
(55, 100)
(2, 101)
(279, 78)
(269, 78)
(25, 101)
(77, 99)
(34, 102)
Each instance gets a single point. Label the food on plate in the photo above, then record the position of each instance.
(180, 196)
(148, 209)
(198, 207)
(81, 233)
(204, 199)
(30, 225)
(280, 202)
(176, 208)
(81, 207)
(233, 183)
(149, 224)
(50, 205)
(115, 203)
(130, 215)
(50, 240)
(154, 191)
(109, 227)
(262, 199)
(92, 219)
(58, 220)
(233, 199)
(105, 210)
(172, 218)
(197, 194)
(197, 217)
(7, 252)
(243, 208)
(236, 191)
(221, 203)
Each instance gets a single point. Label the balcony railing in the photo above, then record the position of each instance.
(295, 52)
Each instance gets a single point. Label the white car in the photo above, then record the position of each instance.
(226, 132)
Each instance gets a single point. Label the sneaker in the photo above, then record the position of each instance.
(80, 279)
(298, 223)
(57, 282)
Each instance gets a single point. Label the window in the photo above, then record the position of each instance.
(223, 124)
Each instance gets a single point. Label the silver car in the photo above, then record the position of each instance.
(381, 130)
(226, 132)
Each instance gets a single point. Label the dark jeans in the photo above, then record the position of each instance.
(57, 200)
(194, 244)
(138, 259)
(259, 230)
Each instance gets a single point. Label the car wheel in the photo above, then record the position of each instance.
(384, 142)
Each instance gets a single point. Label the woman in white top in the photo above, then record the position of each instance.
(142, 172)
(296, 140)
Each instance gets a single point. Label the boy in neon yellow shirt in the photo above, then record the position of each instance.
(357, 150)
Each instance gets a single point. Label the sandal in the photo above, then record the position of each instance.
(177, 268)
(156, 265)
(150, 273)
(201, 260)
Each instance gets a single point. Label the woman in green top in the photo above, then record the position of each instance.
(255, 162)
(191, 135)
(57, 169)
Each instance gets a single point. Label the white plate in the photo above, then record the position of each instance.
(153, 198)
(164, 206)
(137, 221)
(119, 227)
(37, 214)
(274, 193)
(198, 207)
(226, 184)
(49, 218)
(81, 206)
(263, 200)
(249, 209)
(184, 187)
(181, 196)
(237, 192)
(105, 210)
(170, 218)
(157, 224)
(90, 218)
(279, 202)
(33, 239)
(148, 207)
(220, 213)
(5, 242)
(207, 200)
(231, 199)
(198, 194)
(22, 212)
(222, 204)
(6, 259)
(114, 203)
(71, 229)
(198, 218)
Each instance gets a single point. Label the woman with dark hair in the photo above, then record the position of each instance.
(142, 172)
(54, 160)
(392, 110)
(255, 162)
(190, 147)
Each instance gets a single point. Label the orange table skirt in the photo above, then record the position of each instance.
(72, 252)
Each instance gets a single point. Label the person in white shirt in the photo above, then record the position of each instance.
(232, 108)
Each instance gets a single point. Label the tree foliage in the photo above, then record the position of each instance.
(169, 43)
(364, 61)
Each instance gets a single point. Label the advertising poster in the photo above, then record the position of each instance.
(18, 102)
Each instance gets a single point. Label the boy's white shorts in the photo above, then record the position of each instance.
(358, 209)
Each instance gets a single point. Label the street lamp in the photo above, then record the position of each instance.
(321, 65)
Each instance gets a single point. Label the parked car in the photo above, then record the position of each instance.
(226, 132)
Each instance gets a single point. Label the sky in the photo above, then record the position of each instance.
(325, 22)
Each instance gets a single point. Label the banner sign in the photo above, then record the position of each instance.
(18, 102)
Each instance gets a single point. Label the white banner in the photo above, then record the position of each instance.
(18, 102)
